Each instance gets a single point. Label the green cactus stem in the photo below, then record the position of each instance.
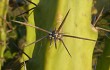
(49, 15)
(3, 8)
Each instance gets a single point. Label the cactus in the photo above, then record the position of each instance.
(49, 15)
(68, 24)
(3, 8)
(30, 36)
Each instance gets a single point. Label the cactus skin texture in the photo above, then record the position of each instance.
(3, 11)
(49, 15)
